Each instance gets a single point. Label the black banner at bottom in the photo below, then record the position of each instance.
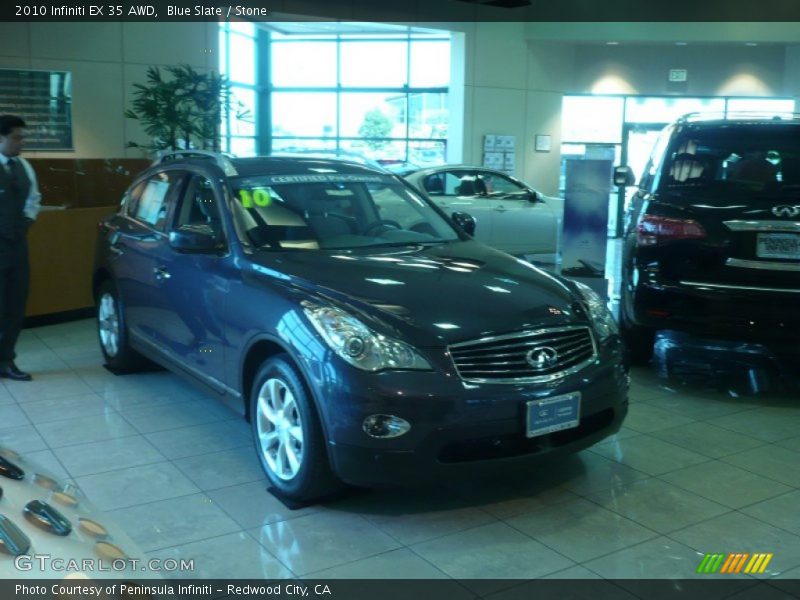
(82, 588)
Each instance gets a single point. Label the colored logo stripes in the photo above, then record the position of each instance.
(735, 563)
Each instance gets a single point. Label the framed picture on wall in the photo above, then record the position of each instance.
(44, 100)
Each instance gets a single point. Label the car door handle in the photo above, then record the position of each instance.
(500, 209)
(161, 273)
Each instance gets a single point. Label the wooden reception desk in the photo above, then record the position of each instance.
(76, 195)
(62, 246)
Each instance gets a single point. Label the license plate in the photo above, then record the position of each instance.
(778, 245)
(553, 414)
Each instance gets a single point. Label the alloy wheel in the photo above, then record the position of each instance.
(108, 323)
(280, 429)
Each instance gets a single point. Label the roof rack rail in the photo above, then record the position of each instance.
(739, 115)
(223, 161)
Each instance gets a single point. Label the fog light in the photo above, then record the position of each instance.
(385, 426)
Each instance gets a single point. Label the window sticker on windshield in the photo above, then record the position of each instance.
(255, 197)
(333, 178)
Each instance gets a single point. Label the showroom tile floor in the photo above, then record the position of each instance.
(692, 471)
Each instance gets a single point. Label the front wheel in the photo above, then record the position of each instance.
(113, 333)
(288, 435)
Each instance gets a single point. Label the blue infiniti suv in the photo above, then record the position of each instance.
(363, 333)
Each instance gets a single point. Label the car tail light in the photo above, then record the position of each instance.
(653, 230)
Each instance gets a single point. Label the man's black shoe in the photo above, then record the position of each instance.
(10, 371)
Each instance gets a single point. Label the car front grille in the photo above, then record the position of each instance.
(526, 356)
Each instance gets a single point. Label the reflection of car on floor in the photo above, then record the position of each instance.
(712, 240)
(511, 216)
(367, 337)
(586, 268)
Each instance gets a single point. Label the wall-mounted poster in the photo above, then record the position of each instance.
(498, 152)
(44, 100)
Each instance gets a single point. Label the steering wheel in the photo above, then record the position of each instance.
(423, 227)
(335, 215)
(380, 223)
(351, 221)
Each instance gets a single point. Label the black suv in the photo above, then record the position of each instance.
(712, 237)
(365, 335)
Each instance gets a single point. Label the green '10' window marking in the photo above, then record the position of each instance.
(256, 197)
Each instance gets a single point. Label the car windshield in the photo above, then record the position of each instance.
(748, 159)
(334, 212)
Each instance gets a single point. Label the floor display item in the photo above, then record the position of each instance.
(42, 515)
(48, 518)
(12, 540)
(10, 470)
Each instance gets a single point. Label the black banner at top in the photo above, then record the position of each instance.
(403, 10)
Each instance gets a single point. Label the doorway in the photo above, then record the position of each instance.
(638, 140)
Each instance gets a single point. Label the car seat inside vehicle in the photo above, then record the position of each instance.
(687, 167)
(471, 186)
(754, 168)
(434, 185)
(790, 170)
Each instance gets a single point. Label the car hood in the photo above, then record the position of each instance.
(430, 295)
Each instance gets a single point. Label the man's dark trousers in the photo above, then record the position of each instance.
(14, 268)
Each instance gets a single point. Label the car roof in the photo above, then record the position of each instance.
(745, 120)
(299, 165)
(275, 165)
(745, 128)
(448, 167)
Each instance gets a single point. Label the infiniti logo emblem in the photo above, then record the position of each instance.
(784, 210)
(542, 357)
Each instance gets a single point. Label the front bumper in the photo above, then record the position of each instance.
(365, 466)
(460, 429)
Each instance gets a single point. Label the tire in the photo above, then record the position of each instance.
(291, 446)
(112, 332)
(638, 341)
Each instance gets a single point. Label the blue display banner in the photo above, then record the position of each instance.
(583, 243)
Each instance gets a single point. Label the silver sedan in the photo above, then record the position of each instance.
(511, 216)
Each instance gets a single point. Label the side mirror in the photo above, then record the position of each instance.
(194, 239)
(623, 176)
(466, 221)
(533, 196)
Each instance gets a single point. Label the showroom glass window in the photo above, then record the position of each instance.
(238, 61)
(380, 95)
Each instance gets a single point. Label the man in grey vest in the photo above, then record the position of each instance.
(19, 205)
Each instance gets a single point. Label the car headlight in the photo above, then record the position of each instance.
(356, 343)
(601, 317)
